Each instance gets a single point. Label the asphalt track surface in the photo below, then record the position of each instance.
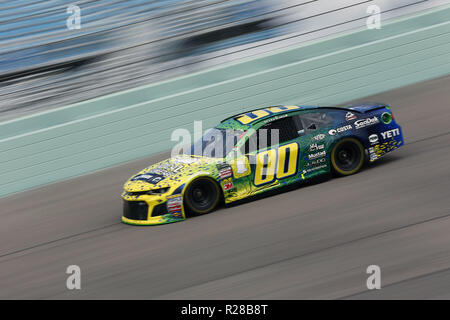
(312, 242)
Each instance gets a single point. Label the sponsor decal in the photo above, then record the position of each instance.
(186, 160)
(319, 137)
(317, 155)
(316, 162)
(166, 169)
(334, 132)
(373, 139)
(174, 204)
(372, 154)
(386, 118)
(225, 171)
(350, 116)
(275, 118)
(228, 184)
(366, 122)
(390, 134)
(316, 147)
(314, 169)
(149, 178)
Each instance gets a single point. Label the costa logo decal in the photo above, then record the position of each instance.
(334, 132)
(366, 122)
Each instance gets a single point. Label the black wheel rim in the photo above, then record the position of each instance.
(202, 195)
(347, 156)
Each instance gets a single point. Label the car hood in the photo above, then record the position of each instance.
(169, 173)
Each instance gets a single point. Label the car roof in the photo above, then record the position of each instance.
(282, 110)
(299, 108)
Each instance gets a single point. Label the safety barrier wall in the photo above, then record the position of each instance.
(129, 125)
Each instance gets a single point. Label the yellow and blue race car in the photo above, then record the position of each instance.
(258, 151)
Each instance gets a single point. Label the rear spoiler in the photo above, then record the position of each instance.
(366, 107)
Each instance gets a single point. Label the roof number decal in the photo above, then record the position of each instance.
(253, 116)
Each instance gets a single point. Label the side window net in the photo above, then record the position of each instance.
(312, 121)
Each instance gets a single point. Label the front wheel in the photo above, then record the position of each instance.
(347, 156)
(202, 196)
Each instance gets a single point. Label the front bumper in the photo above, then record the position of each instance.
(151, 222)
(149, 210)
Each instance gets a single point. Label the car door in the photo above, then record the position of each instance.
(273, 154)
(314, 141)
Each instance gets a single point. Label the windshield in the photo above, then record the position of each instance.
(216, 143)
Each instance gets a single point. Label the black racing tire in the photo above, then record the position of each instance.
(347, 157)
(202, 196)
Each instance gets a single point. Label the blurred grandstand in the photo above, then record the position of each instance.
(122, 44)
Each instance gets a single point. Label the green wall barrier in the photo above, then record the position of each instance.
(114, 129)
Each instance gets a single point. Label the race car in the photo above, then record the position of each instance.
(257, 151)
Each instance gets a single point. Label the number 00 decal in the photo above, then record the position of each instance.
(279, 164)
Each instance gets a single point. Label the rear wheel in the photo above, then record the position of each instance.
(202, 196)
(347, 156)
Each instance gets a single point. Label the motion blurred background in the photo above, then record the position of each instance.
(64, 158)
(123, 44)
